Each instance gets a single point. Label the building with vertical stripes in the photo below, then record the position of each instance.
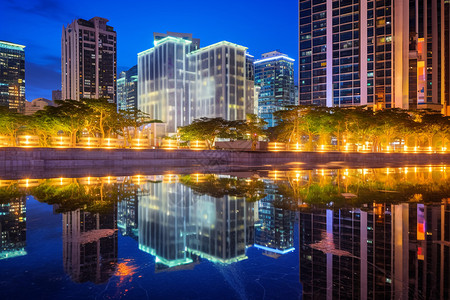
(384, 54)
(178, 81)
(88, 60)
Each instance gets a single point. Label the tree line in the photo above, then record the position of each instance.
(89, 117)
(312, 126)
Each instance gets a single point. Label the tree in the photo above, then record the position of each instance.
(71, 114)
(10, 123)
(204, 129)
(254, 128)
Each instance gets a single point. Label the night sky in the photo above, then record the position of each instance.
(260, 25)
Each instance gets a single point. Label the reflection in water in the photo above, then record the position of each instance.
(362, 234)
(90, 245)
(13, 227)
(274, 232)
(179, 226)
(398, 251)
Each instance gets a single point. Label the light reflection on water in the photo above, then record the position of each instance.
(322, 233)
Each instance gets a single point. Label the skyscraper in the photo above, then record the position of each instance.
(127, 89)
(180, 82)
(12, 76)
(274, 73)
(383, 54)
(89, 60)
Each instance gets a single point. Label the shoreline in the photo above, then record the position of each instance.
(31, 161)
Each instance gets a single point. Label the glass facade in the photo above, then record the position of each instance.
(274, 74)
(12, 76)
(127, 89)
(218, 86)
(347, 54)
(178, 82)
(163, 81)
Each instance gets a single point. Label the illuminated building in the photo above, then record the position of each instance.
(274, 74)
(12, 76)
(127, 216)
(13, 231)
(179, 226)
(399, 251)
(347, 54)
(163, 79)
(222, 228)
(180, 82)
(274, 231)
(88, 60)
(90, 245)
(127, 89)
(219, 83)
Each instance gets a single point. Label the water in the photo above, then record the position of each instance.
(311, 234)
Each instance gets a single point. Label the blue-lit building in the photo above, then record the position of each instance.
(127, 89)
(274, 231)
(180, 82)
(274, 74)
(383, 54)
(12, 76)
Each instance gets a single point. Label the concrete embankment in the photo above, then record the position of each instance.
(50, 159)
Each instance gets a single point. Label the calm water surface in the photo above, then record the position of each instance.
(311, 234)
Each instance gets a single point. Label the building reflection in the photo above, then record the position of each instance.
(13, 231)
(398, 251)
(179, 226)
(274, 230)
(90, 245)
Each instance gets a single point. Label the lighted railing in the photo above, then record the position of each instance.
(4, 183)
(108, 180)
(60, 181)
(170, 178)
(326, 148)
(197, 145)
(5, 141)
(111, 143)
(296, 147)
(418, 149)
(169, 145)
(60, 141)
(89, 180)
(140, 143)
(349, 147)
(276, 146)
(88, 142)
(28, 141)
(27, 183)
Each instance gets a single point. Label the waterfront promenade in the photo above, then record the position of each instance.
(37, 160)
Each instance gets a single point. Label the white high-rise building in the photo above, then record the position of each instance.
(180, 82)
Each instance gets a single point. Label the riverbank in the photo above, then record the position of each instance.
(57, 161)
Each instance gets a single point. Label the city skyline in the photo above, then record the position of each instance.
(30, 19)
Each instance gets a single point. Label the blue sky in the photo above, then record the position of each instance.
(260, 25)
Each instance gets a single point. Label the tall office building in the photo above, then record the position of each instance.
(89, 60)
(180, 82)
(219, 84)
(12, 76)
(13, 228)
(90, 245)
(383, 54)
(274, 232)
(274, 73)
(127, 89)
